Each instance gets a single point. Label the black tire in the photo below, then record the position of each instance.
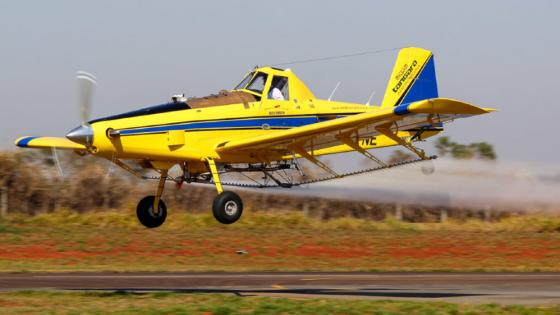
(145, 214)
(227, 207)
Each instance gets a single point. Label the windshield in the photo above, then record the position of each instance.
(258, 82)
(243, 83)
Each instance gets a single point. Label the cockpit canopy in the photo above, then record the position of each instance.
(274, 83)
(261, 83)
(254, 83)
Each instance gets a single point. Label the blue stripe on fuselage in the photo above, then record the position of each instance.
(274, 122)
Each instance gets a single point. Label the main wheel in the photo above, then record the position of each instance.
(227, 207)
(146, 215)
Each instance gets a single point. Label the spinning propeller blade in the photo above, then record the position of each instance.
(84, 133)
(56, 162)
(86, 85)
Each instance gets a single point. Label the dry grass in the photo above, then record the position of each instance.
(29, 302)
(66, 241)
(287, 219)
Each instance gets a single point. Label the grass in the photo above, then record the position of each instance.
(49, 302)
(127, 218)
(114, 241)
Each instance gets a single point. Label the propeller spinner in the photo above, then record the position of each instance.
(84, 134)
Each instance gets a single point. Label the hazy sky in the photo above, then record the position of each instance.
(500, 54)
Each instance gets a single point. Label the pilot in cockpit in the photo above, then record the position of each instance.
(276, 87)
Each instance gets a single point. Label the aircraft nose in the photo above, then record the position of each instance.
(82, 135)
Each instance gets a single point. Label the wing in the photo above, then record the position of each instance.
(425, 113)
(48, 142)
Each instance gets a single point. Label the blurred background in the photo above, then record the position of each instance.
(492, 204)
(492, 54)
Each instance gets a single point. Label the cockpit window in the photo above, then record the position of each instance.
(279, 89)
(246, 80)
(258, 82)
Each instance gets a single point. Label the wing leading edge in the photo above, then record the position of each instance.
(405, 116)
(48, 142)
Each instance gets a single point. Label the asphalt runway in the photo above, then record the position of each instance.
(503, 288)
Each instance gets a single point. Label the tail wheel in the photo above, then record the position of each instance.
(428, 167)
(227, 207)
(146, 214)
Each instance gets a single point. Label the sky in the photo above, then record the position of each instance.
(499, 54)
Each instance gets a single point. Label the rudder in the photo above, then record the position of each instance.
(413, 78)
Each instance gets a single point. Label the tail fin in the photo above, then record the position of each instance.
(413, 78)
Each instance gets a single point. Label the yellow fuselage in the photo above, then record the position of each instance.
(193, 134)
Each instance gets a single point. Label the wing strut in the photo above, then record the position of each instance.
(385, 130)
(346, 139)
(298, 148)
(317, 180)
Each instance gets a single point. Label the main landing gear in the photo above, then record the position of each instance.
(227, 206)
(151, 210)
(146, 214)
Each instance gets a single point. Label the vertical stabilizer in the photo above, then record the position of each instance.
(413, 78)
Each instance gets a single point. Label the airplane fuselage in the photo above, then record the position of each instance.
(193, 134)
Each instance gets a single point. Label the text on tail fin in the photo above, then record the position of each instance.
(413, 78)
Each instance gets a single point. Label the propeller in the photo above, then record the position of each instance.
(57, 162)
(84, 133)
(86, 86)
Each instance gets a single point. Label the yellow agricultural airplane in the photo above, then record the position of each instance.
(265, 124)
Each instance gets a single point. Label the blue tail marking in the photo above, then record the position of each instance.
(425, 86)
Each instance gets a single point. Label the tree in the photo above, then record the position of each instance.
(461, 151)
(479, 150)
(485, 151)
(443, 145)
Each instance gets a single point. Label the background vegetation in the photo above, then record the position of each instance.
(30, 183)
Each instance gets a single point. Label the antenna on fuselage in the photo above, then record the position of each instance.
(370, 97)
(334, 90)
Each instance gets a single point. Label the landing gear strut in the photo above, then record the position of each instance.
(227, 207)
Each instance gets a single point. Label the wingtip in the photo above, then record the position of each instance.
(23, 142)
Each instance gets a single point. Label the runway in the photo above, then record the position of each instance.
(503, 288)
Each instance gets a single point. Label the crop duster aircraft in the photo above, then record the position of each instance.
(265, 124)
